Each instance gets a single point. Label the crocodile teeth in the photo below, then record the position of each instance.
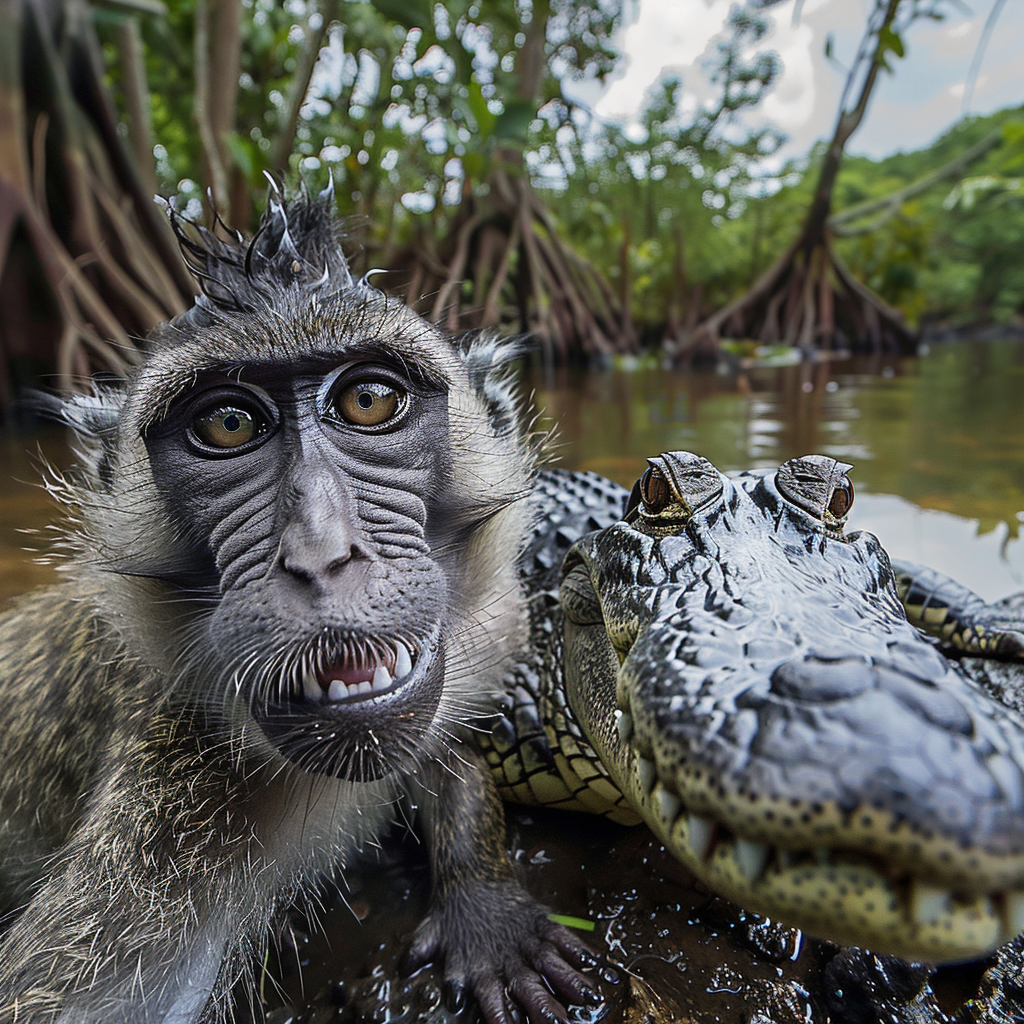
(752, 858)
(668, 804)
(928, 903)
(700, 833)
(624, 723)
(648, 776)
(1013, 915)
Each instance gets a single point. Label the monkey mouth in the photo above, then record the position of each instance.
(357, 709)
(361, 670)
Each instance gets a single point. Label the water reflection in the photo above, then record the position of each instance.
(945, 431)
(26, 509)
(938, 443)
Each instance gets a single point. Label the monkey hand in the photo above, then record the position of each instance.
(498, 944)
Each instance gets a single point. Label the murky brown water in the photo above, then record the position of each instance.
(26, 510)
(938, 443)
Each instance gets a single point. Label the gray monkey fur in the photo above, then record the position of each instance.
(152, 821)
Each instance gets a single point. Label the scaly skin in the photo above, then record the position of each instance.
(744, 674)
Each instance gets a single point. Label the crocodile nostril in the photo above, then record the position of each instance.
(816, 679)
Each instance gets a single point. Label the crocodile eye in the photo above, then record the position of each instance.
(368, 403)
(842, 498)
(819, 485)
(655, 492)
(227, 427)
(674, 487)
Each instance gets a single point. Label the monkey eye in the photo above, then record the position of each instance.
(370, 403)
(227, 428)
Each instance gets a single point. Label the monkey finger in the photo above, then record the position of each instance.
(454, 994)
(490, 998)
(572, 948)
(540, 1005)
(423, 949)
(565, 980)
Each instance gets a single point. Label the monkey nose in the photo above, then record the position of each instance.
(317, 552)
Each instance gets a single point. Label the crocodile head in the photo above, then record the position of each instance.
(746, 672)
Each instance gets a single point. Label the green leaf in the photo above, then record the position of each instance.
(1013, 133)
(572, 922)
(890, 42)
(485, 120)
(474, 163)
(407, 13)
(247, 156)
(514, 121)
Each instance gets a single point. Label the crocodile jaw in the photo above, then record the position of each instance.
(832, 882)
(879, 802)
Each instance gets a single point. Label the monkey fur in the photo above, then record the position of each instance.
(290, 591)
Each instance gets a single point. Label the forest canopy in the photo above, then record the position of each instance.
(464, 168)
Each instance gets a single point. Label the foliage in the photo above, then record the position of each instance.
(651, 204)
(951, 255)
(458, 157)
(86, 260)
(408, 104)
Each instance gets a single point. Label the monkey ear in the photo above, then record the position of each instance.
(489, 362)
(92, 417)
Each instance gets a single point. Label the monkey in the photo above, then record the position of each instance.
(288, 597)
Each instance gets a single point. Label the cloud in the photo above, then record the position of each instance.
(668, 35)
(909, 109)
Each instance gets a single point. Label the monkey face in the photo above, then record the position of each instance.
(316, 500)
(303, 509)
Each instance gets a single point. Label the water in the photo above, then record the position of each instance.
(26, 510)
(937, 442)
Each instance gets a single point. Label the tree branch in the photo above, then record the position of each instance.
(136, 98)
(216, 175)
(888, 205)
(284, 138)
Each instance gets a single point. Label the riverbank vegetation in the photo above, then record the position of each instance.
(465, 170)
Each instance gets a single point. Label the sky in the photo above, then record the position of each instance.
(909, 109)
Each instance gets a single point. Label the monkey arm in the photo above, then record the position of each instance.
(147, 907)
(489, 931)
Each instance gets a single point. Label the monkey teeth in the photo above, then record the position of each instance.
(340, 690)
(310, 687)
(349, 678)
(403, 663)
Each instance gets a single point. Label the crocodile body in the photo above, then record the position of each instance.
(741, 675)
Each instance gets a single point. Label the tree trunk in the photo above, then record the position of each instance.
(504, 243)
(808, 297)
(77, 219)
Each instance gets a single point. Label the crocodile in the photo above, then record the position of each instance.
(726, 664)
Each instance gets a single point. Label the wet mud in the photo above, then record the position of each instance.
(671, 950)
